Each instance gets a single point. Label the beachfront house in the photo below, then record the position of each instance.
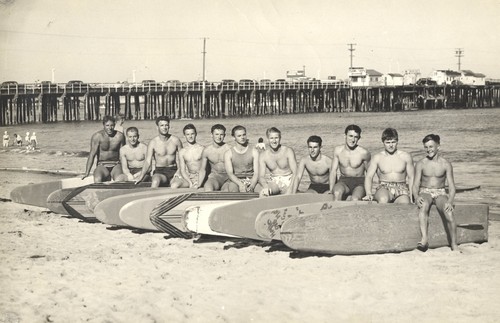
(359, 76)
(445, 77)
(470, 78)
(393, 79)
(411, 77)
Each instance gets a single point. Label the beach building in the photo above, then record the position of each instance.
(470, 78)
(393, 79)
(411, 77)
(360, 76)
(445, 76)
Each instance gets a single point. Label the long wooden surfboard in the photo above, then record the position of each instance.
(166, 215)
(379, 228)
(195, 219)
(37, 194)
(108, 211)
(80, 202)
(239, 219)
(268, 222)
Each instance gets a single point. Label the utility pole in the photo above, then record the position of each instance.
(459, 53)
(203, 78)
(351, 49)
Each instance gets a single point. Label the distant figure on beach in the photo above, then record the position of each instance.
(317, 165)
(213, 155)
(431, 174)
(120, 119)
(189, 159)
(352, 162)
(393, 167)
(105, 145)
(164, 150)
(242, 164)
(27, 141)
(280, 162)
(6, 139)
(33, 141)
(132, 156)
(18, 139)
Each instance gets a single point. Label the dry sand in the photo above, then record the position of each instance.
(57, 269)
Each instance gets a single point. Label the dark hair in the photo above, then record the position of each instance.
(273, 129)
(189, 126)
(236, 128)
(432, 137)
(108, 118)
(217, 126)
(353, 127)
(132, 129)
(389, 134)
(162, 118)
(316, 139)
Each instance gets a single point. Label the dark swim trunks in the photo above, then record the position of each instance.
(109, 164)
(352, 182)
(169, 172)
(134, 171)
(320, 188)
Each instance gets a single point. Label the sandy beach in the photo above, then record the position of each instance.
(58, 269)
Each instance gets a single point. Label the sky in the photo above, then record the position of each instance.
(101, 41)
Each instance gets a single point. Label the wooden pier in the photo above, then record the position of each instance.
(30, 103)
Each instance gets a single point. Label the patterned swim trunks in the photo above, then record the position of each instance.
(283, 181)
(433, 192)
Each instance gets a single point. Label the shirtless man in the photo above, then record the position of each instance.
(132, 156)
(431, 175)
(393, 167)
(317, 166)
(33, 141)
(189, 159)
(352, 161)
(242, 164)
(164, 149)
(6, 139)
(280, 161)
(214, 155)
(105, 145)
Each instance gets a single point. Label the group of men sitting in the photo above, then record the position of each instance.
(272, 169)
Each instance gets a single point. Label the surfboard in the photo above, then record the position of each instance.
(195, 219)
(80, 202)
(108, 211)
(379, 228)
(268, 222)
(37, 194)
(465, 188)
(160, 214)
(239, 219)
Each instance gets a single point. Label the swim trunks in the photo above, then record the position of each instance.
(352, 182)
(319, 188)
(220, 178)
(134, 171)
(109, 164)
(396, 189)
(169, 171)
(283, 181)
(433, 192)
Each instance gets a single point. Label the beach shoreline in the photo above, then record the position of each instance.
(57, 269)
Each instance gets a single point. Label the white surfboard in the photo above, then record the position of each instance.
(195, 218)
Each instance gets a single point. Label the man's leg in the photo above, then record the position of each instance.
(450, 220)
(340, 189)
(101, 174)
(423, 218)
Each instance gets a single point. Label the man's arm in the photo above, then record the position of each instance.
(147, 162)
(333, 169)
(124, 163)
(451, 187)
(255, 177)
(183, 168)
(416, 183)
(94, 148)
(203, 168)
(298, 176)
(262, 169)
(292, 162)
(410, 173)
(369, 177)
